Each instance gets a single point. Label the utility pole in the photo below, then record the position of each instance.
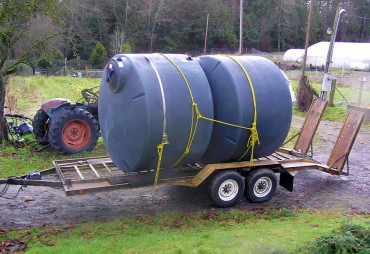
(279, 26)
(326, 83)
(304, 93)
(126, 13)
(65, 66)
(363, 29)
(241, 29)
(308, 29)
(206, 35)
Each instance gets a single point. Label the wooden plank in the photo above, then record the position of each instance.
(79, 172)
(365, 110)
(278, 157)
(310, 126)
(283, 155)
(107, 168)
(346, 139)
(95, 172)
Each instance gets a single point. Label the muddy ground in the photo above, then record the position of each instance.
(42, 206)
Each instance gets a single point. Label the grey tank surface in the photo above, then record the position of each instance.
(131, 112)
(233, 103)
(141, 92)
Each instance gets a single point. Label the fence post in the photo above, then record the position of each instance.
(332, 92)
(361, 88)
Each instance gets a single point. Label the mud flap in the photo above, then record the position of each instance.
(286, 180)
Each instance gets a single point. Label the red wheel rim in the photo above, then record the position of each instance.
(76, 134)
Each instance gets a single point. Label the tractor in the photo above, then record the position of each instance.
(69, 127)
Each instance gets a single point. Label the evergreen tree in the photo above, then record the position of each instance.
(99, 56)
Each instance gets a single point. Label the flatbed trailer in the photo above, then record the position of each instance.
(227, 181)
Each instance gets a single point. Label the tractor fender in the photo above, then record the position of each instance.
(52, 105)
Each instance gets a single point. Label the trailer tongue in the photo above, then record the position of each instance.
(228, 181)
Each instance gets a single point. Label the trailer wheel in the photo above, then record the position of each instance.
(226, 188)
(260, 185)
(73, 130)
(41, 123)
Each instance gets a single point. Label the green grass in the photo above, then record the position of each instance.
(230, 231)
(25, 94)
(291, 139)
(339, 111)
(20, 161)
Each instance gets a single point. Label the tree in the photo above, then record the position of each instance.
(221, 28)
(117, 41)
(15, 17)
(45, 63)
(99, 56)
(155, 13)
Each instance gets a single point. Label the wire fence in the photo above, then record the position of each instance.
(354, 86)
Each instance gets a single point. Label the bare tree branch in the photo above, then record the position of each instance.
(117, 40)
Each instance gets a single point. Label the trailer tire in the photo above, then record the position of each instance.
(260, 185)
(226, 188)
(41, 123)
(73, 130)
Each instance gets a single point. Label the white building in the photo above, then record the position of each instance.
(347, 55)
(295, 55)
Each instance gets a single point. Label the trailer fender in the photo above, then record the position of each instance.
(286, 180)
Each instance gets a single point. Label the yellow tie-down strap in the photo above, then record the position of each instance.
(196, 115)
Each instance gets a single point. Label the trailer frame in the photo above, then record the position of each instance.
(85, 175)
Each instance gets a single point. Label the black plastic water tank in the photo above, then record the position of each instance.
(131, 113)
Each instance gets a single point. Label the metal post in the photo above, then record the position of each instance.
(326, 83)
(361, 88)
(332, 92)
(206, 35)
(241, 29)
(332, 39)
(65, 66)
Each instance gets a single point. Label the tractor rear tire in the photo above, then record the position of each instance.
(40, 124)
(73, 130)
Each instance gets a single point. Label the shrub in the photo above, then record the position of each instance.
(349, 238)
(45, 63)
(126, 48)
(24, 70)
(98, 56)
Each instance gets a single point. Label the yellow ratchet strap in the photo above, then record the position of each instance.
(196, 115)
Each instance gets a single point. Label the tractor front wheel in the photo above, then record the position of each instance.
(40, 124)
(73, 130)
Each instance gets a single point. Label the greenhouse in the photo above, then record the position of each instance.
(295, 55)
(346, 55)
